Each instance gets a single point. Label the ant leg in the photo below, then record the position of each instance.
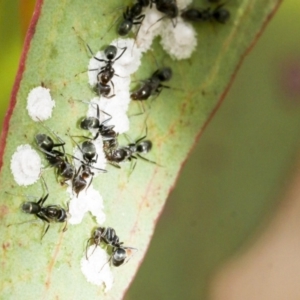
(86, 248)
(140, 20)
(155, 23)
(45, 231)
(102, 170)
(47, 191)
(107, 261)
(96, 58)
(71, 137)
(45, 220)
(116, 165)
(142, 138)
(82, 136)
(148, 160)
(130, 248)
(174, 22)
(90, 182)
(124, 49)
(113, 86)
(108, 119)
(42, 200)
(132, 166)
(65, 227)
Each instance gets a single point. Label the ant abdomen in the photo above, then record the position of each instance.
(164, 74)
(119, 256)
(143, 93)
(30, 207)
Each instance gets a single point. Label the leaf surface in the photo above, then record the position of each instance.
(53, 54)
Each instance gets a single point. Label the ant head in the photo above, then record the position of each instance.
(165, 74)
(44, 141)
(221, 15)
(124, 27)
(89, 123)
(144, 146)
(110, 52)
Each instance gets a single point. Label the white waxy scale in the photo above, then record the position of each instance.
(97, 268)
(25, 165)
(40, 104)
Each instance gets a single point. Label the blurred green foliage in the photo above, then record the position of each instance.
(235, 176)
(10, 50)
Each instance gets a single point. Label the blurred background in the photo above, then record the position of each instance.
(237, 174)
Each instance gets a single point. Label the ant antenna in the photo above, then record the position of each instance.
(114, 22)
(30, 221)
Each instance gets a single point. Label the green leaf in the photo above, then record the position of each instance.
(51, 268)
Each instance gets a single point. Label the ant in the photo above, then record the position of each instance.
(153, 85)
(109, 237)
(133, 16)
(132, 151)
(48, 214)
(106, 72)
(91, 123)
(90, 156)
(55, 158)
(219, 14)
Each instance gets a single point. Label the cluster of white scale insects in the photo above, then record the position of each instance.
(179, 41)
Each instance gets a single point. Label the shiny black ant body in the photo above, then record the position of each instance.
(48, 214)
(56, 158)
(133, 16)
(219, 14)
(106, 72)
(92, 123)
(153, 85)
(90, 156)
(132, 151)
(109, 237)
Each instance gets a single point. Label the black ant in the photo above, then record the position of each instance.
(133, 16)
(92, 123)
(153, 85)
(219, 14)
(109, 237)
(48, 214)
(106, 72)
(132, 151)
(90, 156)
(55, 158)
